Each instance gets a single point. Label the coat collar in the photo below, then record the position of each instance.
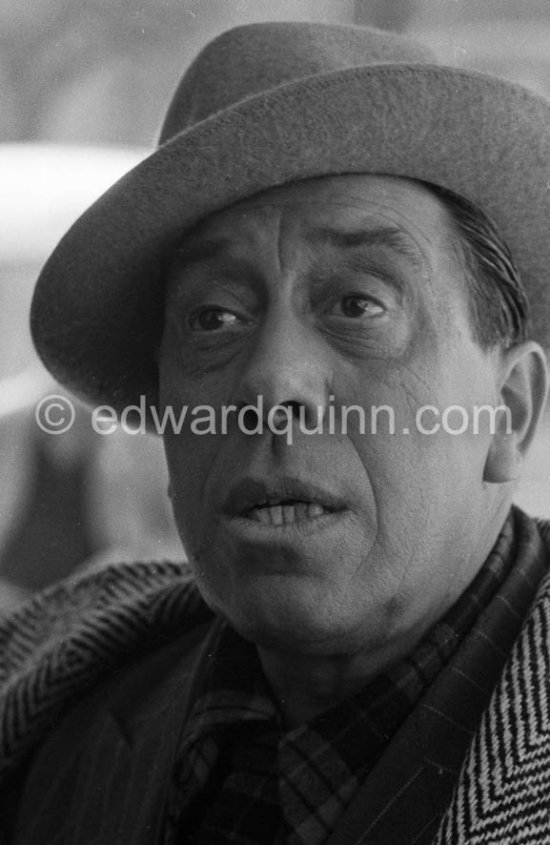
(125, 738)
(411, 788)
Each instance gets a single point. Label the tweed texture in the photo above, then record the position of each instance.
(72, 635)
(62, 643)
(503, 794)
(311, 774)
(298, 101)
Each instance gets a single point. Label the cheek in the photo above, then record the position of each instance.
(416, 473)
(190, 458)
(181, 384)
(188, 455)
(181, 468)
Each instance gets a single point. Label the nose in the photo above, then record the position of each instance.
(287, 367)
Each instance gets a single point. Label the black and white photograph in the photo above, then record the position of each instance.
(274, 422)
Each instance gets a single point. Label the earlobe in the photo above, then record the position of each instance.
(523, 390)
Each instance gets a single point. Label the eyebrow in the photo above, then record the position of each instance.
(390, 237)
(204, 250)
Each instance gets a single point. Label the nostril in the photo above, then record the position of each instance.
(256, 416)
(296, 406)
(284, 411)
(283, 415)
(251, 419)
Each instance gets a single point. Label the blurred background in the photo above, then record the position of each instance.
(83, 88)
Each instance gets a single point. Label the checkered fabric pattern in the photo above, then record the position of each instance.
(243, 778)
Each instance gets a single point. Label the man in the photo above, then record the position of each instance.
(362, 652)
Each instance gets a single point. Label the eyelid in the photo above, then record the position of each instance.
(206, 280)
(361, 277)
(192, 316)
(211, 293)
(367, 297)
(375, 269)
(337, 297)
(204, 309)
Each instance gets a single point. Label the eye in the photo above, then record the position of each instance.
(357, 305)
(212, 320)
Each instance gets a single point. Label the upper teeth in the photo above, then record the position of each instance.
(286, 513)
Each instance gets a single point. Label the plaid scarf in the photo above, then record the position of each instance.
(243, 778)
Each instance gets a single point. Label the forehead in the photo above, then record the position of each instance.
(316, 210)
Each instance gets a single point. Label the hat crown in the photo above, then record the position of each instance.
(258, 57)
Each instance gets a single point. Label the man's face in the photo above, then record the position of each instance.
(334, 292)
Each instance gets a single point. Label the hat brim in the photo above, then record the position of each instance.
(96, 316)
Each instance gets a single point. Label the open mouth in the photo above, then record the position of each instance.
(282, 501)
(286, 512)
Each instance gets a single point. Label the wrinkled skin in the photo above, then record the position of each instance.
(281, 296)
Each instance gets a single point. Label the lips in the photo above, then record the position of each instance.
(285, 501)
(286, 513)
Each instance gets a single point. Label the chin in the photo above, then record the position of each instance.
(287, 621)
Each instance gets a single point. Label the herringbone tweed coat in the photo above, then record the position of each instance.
(66, 641)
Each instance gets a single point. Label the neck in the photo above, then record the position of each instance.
(305, 685)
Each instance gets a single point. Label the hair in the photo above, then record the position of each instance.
(498, 302)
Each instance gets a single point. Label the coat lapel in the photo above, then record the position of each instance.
(117, 753)
(503, 793)
(118, 747)
(410, 789)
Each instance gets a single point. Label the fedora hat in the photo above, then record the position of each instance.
(267, 104)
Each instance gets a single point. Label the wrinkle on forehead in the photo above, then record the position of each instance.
(401, 212)
(348, 200)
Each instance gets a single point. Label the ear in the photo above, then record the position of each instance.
(523, 381)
